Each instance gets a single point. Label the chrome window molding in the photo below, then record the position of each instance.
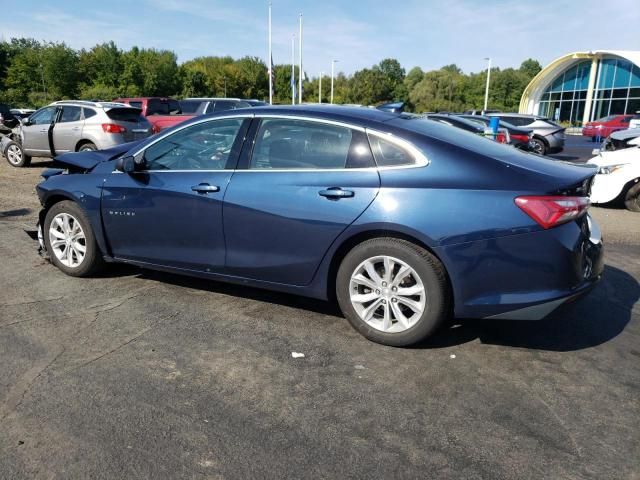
(421, 159)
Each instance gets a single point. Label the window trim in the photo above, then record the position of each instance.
(420, 157)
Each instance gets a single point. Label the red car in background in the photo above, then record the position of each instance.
(161, 112)
(605, 126)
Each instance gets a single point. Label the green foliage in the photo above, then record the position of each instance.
(34, 73)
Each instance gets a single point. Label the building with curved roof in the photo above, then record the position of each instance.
(583, 86)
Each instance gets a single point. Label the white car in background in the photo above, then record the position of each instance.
(618, 176)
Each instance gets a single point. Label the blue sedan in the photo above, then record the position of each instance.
(402, 220)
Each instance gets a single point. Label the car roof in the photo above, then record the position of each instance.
(203, 99)
(86, 103)
(336, 112)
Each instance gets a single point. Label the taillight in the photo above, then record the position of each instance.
(553, 210)
(113, 128)
(501, 138)
(155, 129)
(520, 138)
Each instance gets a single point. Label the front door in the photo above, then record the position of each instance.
(170, 212)
(35, 134)
(304, 184)
(67, 131)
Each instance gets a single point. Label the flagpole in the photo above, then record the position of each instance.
(320, 88)
(300, 74)
(293, 70)
(269, 59)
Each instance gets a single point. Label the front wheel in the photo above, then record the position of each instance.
(632, 198)
(15, 155)
(392, 291)
(70, 240)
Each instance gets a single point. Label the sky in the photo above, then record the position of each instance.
(424, 33)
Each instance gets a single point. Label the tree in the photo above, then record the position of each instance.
(530, 67)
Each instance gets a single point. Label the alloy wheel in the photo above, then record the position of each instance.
(387, 294)
(14, 154)
(67, 240)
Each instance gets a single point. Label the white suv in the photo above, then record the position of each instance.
(72, 126)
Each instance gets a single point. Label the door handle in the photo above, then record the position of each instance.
(334, 193)
(75, 129)
(205, 188)
(44, 131)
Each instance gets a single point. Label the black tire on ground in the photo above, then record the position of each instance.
(87, 147)
(632, 197)
(15, 155)
(427, 267)
(539, 146)
(92, 261)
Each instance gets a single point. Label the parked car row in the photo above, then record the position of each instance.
(166, 112)
(76, 125)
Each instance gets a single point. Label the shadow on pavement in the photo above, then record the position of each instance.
(595, 319)
(20, 212)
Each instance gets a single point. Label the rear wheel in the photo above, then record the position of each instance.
(392, 291)
(87, 147)
(539, 146)
(15, 155)
(632, 197)
(70, 240)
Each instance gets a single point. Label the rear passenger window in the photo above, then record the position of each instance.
(389, 154)
(136, 104)
(88, 113)
(300, 144)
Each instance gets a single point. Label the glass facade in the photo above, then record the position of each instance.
(617, 91)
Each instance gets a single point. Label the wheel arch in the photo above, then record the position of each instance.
(82, 142)
(96, 224)
(348, 243)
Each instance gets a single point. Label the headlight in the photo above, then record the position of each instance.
(610, 169)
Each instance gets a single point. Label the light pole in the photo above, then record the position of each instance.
(486, 90)
(225, 86)
(320, 88)
(333, 63)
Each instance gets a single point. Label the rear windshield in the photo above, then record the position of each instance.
(156, 106)
(189, 106)
(124, 114)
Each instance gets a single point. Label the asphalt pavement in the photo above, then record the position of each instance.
(139, 374)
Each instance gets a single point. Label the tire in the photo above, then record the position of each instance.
(87, 147)
(425, 286)
(632, 197)
(539, 146)
(15, 155)
(92, 260)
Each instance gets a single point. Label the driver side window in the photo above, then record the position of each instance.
(204, 146)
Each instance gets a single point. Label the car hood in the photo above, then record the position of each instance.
(88, 160)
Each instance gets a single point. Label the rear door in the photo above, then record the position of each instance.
(68, 129)
(170, 213)
(35, 135)
(299, 188)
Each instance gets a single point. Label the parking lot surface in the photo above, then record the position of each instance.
(138, 374)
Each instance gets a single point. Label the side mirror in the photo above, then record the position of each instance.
(126, 164)
(25, 121)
